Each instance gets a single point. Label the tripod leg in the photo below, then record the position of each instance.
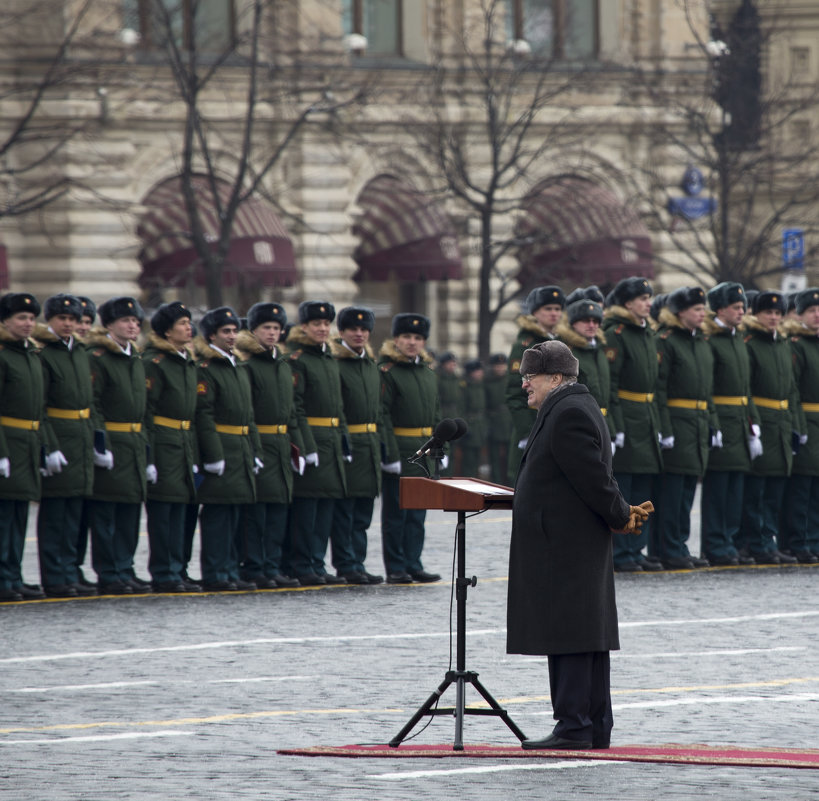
(501, 712)
(424, 710)
(460, 688)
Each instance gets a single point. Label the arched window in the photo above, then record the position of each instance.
(562, 29)
(207, 25)
(378, 20)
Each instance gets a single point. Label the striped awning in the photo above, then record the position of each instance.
(575, 230)
(260, 254)
(403, 235)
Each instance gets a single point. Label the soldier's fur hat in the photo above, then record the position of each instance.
(16, 302)
(354, 316)
(260, 313)
(114, 308)
(63, 304)
(411, 324)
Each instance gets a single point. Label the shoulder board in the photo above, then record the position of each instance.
(204, 364)
(747, 338)
(619, 329)
(157, 359)
(611, 354)
(386, 366)
(98, 351)
(528, 341)
(296, 353)
(795, 338)
(666, 334)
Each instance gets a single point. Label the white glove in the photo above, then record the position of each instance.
(620, 439)
(522, 443)
(312, 458)
(803, 438)
(258, 464)
(392, 467)
(613, 448)
(667, 443)
(217, 468)
(55, 461)
(105, 460)
(348, 457)
(716, 439)
(756, 431)
(151, 476)
(755, 446)
(5, 467)
(445, 461)
(196, 469)
(299, 466)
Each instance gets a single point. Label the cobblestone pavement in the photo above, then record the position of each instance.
(180, 697)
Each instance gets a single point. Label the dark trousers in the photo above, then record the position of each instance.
(402, 530)
(311, 520)
(265, 526)
(635, 488)
(191, 521)
(721, 512)
(166, 537)
(499, 461)
(674, 515)
(799, 521)
(13, 522)
(351, 519)
(581, 696)
(82, 532)
(762, 501)
(114, 539)
(58, 523)
(470, 461)
(219, 526)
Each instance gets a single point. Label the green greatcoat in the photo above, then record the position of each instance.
(805, 354)
(772, 378)
(409, 399)
(317, 394)
(633, 367)
(593, 366)
(224, 398)
(498, 418)
(271, 384)
(21, 396)
(118, 382)
(170, 381)
(475, 413)
(361, 393)
(451, 392)
(67, 386)
(732, 379)
(686, 373)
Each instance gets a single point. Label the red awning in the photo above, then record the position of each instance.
(260, 254)
(403, 235)
(580, 232)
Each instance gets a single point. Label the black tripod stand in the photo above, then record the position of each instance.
(460, 677)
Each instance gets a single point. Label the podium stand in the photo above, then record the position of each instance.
(459, 495)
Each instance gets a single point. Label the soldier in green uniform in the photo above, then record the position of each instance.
(689, 425)
(229, 449)
(775, 397)
(271, 382)
(320, 409)
(22, 437)
(361, 393)
(118, 413)
(410, 409)
(799, 522)
(543, 308)
(722, 485)
(632, 355)
(170, 379)
(498, 418)
(70, 477)
(475, 414)
(451, 389)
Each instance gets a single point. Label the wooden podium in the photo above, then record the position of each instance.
(459, 495)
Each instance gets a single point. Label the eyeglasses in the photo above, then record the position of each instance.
(527, 378)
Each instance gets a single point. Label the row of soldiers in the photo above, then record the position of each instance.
(715, 386)
(283, 448)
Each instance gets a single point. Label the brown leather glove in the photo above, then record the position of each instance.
(637, 516)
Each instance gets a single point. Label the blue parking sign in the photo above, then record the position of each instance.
(793, 249)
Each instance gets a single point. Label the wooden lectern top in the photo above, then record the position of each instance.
(453, 494)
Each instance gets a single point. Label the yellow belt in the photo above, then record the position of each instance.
(68, 414)
(604, 411)
(128, 428)
(239, 430)
(362, 428)
(277, 429)
(811, 407)
(637, 397)
(18, 422)
(730, 400)
(771, 403)
(426, 431)
(687, 403)
(169, 422)
(323, 422)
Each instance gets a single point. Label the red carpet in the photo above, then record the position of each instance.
(671, 753)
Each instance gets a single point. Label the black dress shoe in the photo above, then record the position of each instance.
(139, 587)
(699, 561)
(31, 592)
(284, 581)
(329, 578)
(81, 579)
(678, 563)
(373, 578)
(218, 586)
(116, 588)
(786, 558)
(600, 744)
(649, 565)
(745, 559)
(627, 567)
(8, 595)
(240, 585)
(191, 586)
(806, 558)
(60, 591)
(169, 586)
(424, 577)
(553, 741)
(766, 557)
(355, 578)
(651, 558)
(83, 589)
(399, 578)
(312, 580)
(135, 581)
(723, 561)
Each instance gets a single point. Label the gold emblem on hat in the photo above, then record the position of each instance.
(554, 294)
(416, 322)
(27, 300)
(774, 299)
(130, 305)
(66, 302)
(321, 308)
(228, 314)
(360, 316)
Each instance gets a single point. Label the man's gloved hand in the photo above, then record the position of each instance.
(5, 467)
(716, 439)
(667, 443)
(258, 464)
(445, 461)
(150, 474)
(637, 516)
(392, 467)
(298, 467)
(55, 461)
(348, 457)
(620, 439)
(613, 448)
(522, 443)
(755, 447)
(105, 460)
(312, 458)
(217, 468)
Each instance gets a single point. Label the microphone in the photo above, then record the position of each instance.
(461, 428)
(444, 431)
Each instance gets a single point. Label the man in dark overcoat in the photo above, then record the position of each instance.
(561, 578)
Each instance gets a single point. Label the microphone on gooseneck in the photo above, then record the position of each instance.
(461, 428)
(444, 431)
